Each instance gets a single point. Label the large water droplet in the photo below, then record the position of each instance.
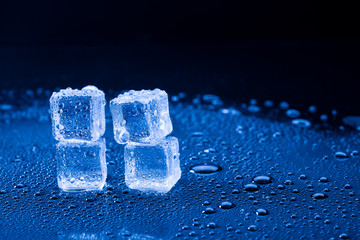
(209, 210)
(205, 169)
(319, 196)
(226, 205)
(261, 212)
(251, 187)
(262, 180)
(341, 156)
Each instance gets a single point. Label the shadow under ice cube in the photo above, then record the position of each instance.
(152, 167)
(81, 165)
(78, 114)
(141, 116)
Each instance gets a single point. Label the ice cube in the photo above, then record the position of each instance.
(141, 116)
(152, 167)
(78, 114)
(81, 165)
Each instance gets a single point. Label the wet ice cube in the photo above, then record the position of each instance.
(152, 167)
(141, 116)
(81, 165)
(78, 114)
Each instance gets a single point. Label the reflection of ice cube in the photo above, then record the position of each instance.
(152, 167)
(141, 116)
(81, 165)
(78, 114)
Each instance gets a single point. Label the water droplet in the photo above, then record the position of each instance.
(211, 225)
(226, 205)
(254, 109)
(312, 109)
(205, 169)
(319, 196)
(341, 156)
(262, 180)
(344, 236)
(252, 228)
(20, 185)
(209, 210)
(284, 105)
(268, 103)
(293, 113)
(301, 122)
(251, 187)
(5, 107)
(323, 180)
(261, 212)
(302, 177)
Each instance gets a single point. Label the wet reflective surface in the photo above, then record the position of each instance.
(279, 178)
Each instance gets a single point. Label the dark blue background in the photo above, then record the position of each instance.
(305, 52)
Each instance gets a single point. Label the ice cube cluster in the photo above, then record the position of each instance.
(78, 122)
(142, 121)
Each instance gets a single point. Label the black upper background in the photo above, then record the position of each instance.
(302, 52)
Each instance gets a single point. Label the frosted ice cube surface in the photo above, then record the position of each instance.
(78, 114)
(141, 116)
(152, 167)
(81, 165)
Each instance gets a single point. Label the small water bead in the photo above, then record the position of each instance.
(226, 205)
(19, 185)
(288, 182)
(295, 190)
(261, 212)
(252, 228)
(341, 156)
(344, 236)
(235, 191)
(284, 105)
(211, 225)
(302, 177)
(205, 169)
(268, 103)
(262, 180)
(319, 196)
(312, 109)
(355, 153)
(323, 117)
(293, 113)
(251, 187)
(299, 122)
(323, 180)
(209, 210)
(253, 108)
